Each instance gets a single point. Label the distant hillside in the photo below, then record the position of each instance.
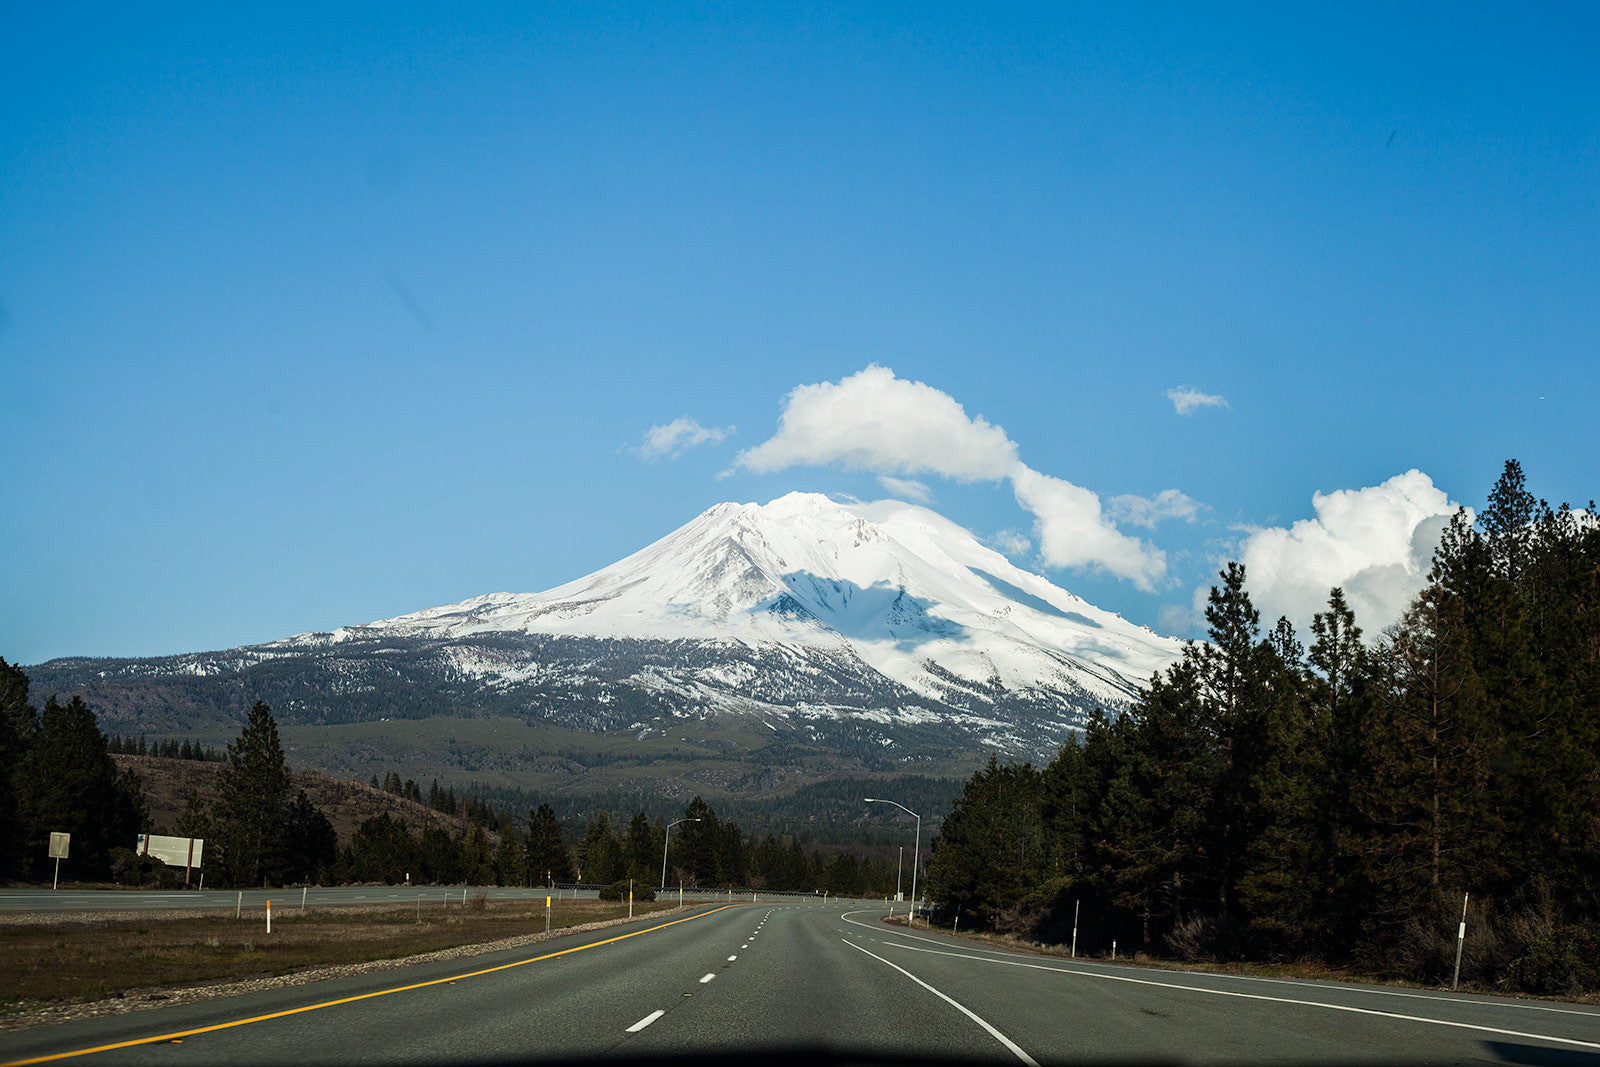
(755, 651)
(167, 783)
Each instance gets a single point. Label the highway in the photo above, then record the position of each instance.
(64, 900)
(807, 982)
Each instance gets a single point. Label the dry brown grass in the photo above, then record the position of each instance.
(69, 962)
(346, 803)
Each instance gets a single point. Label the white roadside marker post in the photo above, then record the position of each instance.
(269, 916)
(547, 915)
(238, 906)
(1461, 939)
(1113, 948)
(1075, 904)
(303, 898)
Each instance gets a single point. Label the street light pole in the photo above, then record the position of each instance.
(665, 841)
(916, 851)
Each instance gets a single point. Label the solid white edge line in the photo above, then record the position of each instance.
(962, 1008)
(1485, 1002)
(708, 978)
(646, 1021)
(1260, 996)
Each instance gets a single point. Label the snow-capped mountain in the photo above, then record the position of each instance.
(914, 596)
(883, 626)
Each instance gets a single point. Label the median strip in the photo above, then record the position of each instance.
(158, 1038)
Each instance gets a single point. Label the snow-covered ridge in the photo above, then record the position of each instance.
(909, 593)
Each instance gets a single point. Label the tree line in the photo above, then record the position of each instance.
(169, 748)
(1334, 800)
(260, 831)
(56, 775)
(704, 851)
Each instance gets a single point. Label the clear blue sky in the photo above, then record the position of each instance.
(314, 319)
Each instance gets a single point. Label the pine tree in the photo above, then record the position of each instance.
(640, 851)
(511, 860)
(549, 857)
(18, 724)
(252, 798)
(990, 852)
(310, 844)
(439, 856)
(72, 785)
(1233, 707)
(695, 851)
(477, 860)
(195, 821)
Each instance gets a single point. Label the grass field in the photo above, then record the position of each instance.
(75, 961)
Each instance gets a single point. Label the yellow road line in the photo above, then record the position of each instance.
(179, 1034)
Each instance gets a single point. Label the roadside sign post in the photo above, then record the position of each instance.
(185, 852)
(1461, 939)
(1075, 904)
(59, 845)
(547, 915)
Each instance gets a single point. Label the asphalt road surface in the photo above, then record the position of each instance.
(817, 983)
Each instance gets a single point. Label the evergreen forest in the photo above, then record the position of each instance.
(258, 831)
(1336, 797)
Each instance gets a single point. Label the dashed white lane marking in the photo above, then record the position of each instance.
(962, 1008)
(646, 1021)
(732, 958)
(707, 978)
(746, 945)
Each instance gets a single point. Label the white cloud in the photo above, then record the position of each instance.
(874, 421)
(1376, 543)
(674, 438)
(1186, 400)
(1073, 532)
(1147, 511)
(1011, 543)
(907, 489)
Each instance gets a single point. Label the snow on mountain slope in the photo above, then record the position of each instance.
(909, 593)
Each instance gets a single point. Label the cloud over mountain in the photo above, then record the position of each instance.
(874, 421)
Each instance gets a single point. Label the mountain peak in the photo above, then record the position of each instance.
(896, 585)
